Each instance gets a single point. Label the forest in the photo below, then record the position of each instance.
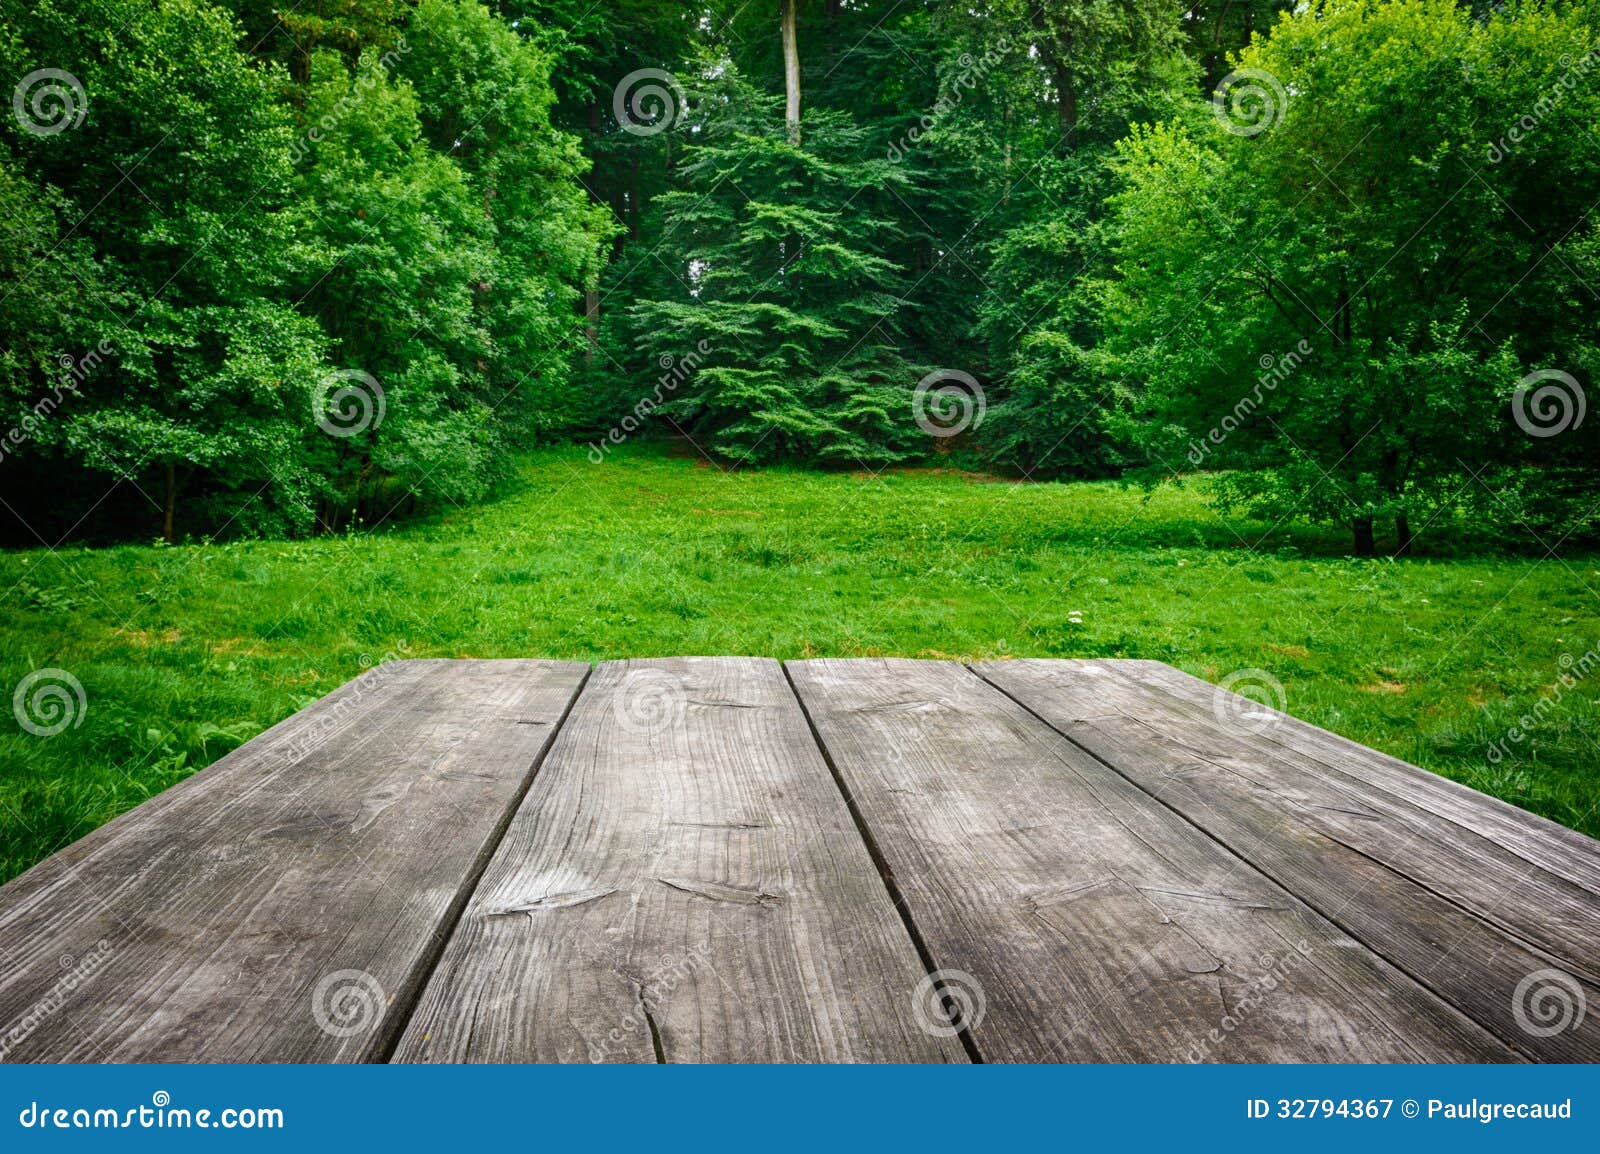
(281, 271)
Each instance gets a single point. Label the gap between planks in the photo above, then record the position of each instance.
(405, 1001)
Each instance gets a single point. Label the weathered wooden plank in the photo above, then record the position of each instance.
(277, 905)
(1452, 859)
(1097, 924)
(1417, 890)
(684, 884)
(1552, 847)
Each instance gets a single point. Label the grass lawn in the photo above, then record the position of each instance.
(185, 652)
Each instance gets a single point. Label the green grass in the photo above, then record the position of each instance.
(185, 652)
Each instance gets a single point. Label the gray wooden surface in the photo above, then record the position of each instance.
(683, 884)
(1446, 905)
(275, 905)
(725, 859)
(1100, 926)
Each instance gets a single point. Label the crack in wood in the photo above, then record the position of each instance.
(560, 901)
(718, 892)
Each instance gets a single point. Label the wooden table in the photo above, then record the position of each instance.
(733, 860)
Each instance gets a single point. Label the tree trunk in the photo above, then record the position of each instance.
(591, 322)
(1402, 532)
(1005, 197)
(791, 72)
(1056, 50)
(1366, 546)
(1066, 104)
(170, 508)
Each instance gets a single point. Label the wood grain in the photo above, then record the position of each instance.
(1435, 844)
(1096, 923)
(317, 865)
(1455, 910)
(1555, 848)
(682, 884)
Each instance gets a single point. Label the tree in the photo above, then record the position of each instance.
(1063, 83)
(379, 214)
(178, 166)
(602, 54)
(486, 100)
(791, 71)
(1310, 278)
(787, 290)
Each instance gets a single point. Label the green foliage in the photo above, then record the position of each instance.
(218, 237)
(172, 180)
(488, 101)
(786, 284)
(1317, 301)
(452, 206)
